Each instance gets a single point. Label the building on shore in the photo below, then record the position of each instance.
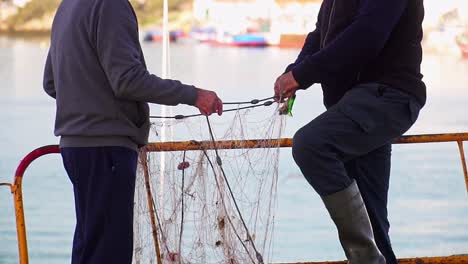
(444, 23)
(7, 9)
(270, 18)
(20, 3)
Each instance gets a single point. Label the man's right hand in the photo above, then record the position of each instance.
(208, 102)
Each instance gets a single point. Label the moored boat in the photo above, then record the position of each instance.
(240, 40)
(462, 41)
(157, 35)
(292, 40)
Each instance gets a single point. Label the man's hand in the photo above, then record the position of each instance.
(208, 102)
(285, 87)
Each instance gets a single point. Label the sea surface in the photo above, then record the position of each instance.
(428, 203)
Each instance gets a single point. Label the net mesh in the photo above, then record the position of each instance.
(207, 213)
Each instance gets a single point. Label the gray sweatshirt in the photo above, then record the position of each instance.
(96, 71)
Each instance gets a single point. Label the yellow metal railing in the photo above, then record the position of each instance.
(287, 142)
(16, 186)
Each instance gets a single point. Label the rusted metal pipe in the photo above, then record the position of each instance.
(144, 164)
(463, 160)
(433, 138)
(222, 144)
(16, 187)
(463, 259)
(287, 142)
(284, 143)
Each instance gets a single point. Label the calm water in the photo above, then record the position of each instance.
(428, 202)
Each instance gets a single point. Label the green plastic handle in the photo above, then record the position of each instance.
(291, 104)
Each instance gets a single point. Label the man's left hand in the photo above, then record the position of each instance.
(285, 87)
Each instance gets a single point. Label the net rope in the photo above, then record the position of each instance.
(219, 205)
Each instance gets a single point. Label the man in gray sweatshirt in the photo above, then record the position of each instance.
(96, 71)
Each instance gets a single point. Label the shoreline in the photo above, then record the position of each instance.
(26, 35)
(24, 32)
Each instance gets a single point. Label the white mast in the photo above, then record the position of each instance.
(165, 75)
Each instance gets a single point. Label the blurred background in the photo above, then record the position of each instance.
(282, 23)
(238, 48)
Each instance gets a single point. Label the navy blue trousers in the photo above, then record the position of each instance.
(104, 186)
(352, 140)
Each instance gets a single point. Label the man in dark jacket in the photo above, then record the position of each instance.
(366, 54)
(96, 71)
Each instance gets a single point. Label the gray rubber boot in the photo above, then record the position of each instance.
(349, 213)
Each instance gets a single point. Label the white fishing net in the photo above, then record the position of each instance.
(204, 212)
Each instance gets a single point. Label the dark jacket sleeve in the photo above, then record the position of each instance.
(311, 46)
(119, 52)
(357, 45)
(48, 80)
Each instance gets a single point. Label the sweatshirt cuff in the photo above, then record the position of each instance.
(189, 95)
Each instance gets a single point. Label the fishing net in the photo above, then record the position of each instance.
(210, 205)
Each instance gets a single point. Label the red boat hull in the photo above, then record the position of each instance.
(462, 41)
(464, 50)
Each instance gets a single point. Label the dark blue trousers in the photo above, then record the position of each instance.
(104, 185)
(352, 140)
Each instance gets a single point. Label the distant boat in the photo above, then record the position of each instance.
(249, 40)
(462, 41)
(157, 35)
(241, 40)
(292, 41)
(203, 34)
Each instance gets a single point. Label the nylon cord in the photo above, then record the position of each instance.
(220, 164)
(224, 205)
(254, 104)
(183, 209)
(180, 117)
(253, 101)
(160, 227)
